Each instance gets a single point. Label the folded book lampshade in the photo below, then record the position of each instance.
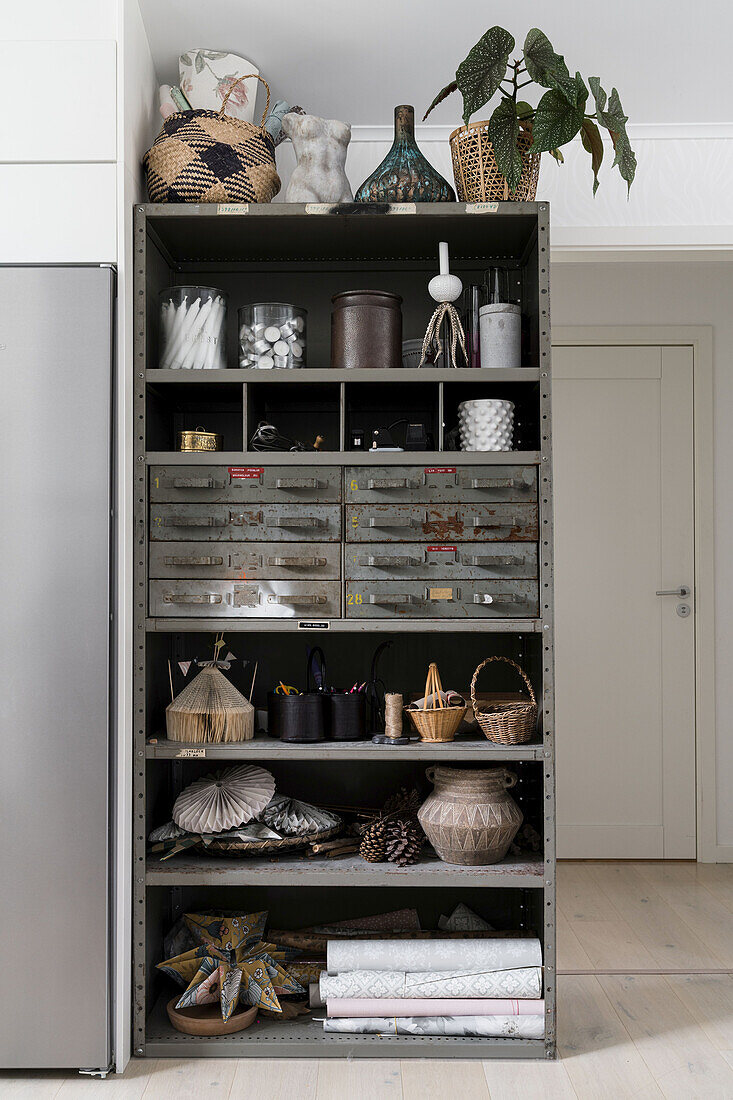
(210, 709)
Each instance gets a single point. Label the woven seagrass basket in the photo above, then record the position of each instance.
(476, 173)
(506, 722)
(435, 722)
(208, 156)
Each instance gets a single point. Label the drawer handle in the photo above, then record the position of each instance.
(196, 521)
(194, 561)
(306, 600)
(390, 483)
(492, 483)
(297, 563)
(299, 521)
(196, 483)
(387, 561)
(192, 597)
(389, 521)
(487, 560)
(297, 483)
(397, 600)
(494, 524)
(497, 597)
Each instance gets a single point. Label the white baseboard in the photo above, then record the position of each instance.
(610, 842)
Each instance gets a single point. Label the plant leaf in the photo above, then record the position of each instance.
(593, 143)
(556, 122)
(614, 120)
(185, 59)
(557, 155)
(523, 109)
(199, 63)
(483, 69)
(449, 88)
(503, 134)
(546, 67)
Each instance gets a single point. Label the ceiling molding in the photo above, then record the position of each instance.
(642, 131)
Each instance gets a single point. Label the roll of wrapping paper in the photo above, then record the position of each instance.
(524, 982)
(307, 940)
(446, 1006)
(441, 955)
(516, 1027)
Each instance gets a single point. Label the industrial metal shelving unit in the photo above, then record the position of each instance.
(296, 253)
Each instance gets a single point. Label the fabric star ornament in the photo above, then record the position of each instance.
(229, 963)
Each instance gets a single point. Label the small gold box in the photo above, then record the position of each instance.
(199, 440)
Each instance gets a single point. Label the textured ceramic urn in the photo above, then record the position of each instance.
(405, 175)
(470, 818)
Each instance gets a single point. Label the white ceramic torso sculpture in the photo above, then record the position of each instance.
(320, 145)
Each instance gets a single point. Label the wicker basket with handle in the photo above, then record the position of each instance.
(477, 174)
(435, 721)
(208, 156)
(508, 723)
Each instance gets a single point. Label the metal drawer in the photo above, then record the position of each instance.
(439, 484)
(468, 561)
(515, 599)
(246, 561)
(446, 523)
(245, 484)
(184, 599)
(263, 523)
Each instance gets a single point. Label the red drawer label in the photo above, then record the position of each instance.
(442, 549)
(440, 469)
(246, 471)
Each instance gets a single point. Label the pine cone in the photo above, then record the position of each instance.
(404, 803)
(403, 841)
(372, 847)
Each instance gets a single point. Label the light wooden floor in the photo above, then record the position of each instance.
(645, 1010)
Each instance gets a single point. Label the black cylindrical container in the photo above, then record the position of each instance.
(297, 718)
(348, 716)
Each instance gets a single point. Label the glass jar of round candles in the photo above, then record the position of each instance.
(271, 336)
(192, 328)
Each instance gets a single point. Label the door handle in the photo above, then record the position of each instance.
(305, 600)
(297, 563)
(397, 600)
(391, 521)
(390, 483)
(681, 593)
(299, 521)
(194, 561)
(385, 561)
(196, 483)
(192, 597)
(195, 521)
(297, 483)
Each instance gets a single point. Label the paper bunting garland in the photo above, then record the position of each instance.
(230, 962)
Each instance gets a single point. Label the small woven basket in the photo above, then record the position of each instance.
(437, 722)
(476, 173)
(508, 723)
(208, 156)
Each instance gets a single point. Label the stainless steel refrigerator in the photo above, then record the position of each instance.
(56, 360)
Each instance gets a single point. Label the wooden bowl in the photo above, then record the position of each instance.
(206, 1019)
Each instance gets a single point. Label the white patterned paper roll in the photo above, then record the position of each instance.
(442, 955)
(523, 981)
(518, 1027)
(424, 1006)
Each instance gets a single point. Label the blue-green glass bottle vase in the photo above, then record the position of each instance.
(405, 175)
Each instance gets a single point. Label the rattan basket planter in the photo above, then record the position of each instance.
(506, 722)
(477, 176)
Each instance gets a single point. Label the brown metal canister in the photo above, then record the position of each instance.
(366, 329)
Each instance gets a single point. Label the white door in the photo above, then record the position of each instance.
(624, 516)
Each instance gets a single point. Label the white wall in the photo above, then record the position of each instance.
(678, 294)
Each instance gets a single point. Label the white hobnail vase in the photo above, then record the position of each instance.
(486, 424)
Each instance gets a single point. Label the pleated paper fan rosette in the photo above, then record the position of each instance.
(210, 710)
(224, 800)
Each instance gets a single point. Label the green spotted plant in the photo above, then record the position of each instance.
(560, 115)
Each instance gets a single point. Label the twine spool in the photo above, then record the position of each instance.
(393, 715)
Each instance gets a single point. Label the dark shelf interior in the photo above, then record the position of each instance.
(178, 407)
(298, 412)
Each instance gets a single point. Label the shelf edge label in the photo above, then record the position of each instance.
(232, 208)
(309, 625)
(190, 754)
(482, 207)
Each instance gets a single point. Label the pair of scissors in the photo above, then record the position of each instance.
(286, 689)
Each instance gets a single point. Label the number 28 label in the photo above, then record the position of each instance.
(354, 598)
